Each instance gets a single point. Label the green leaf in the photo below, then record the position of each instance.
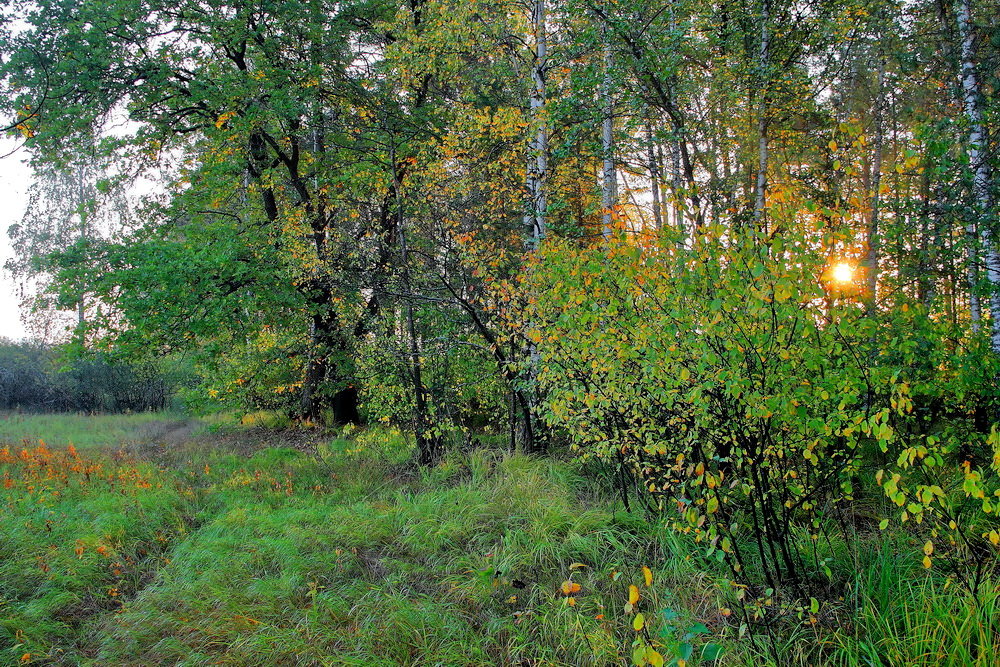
(639, 622)
(711, 651)
(699, 629)
(685, 650)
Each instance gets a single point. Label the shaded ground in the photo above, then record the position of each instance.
(174, 441)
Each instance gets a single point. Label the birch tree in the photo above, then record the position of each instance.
(538, 146)
(608, 173)
(763, 72)
(984, 215)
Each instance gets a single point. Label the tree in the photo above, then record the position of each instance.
(276, 94)
(978, 151)
(69, 205)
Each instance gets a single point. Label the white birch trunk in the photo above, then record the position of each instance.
(763, 57)
(977, 150)
(654, 176)
(677, 184)
(609, 178)
(81, 306)
(537, 175)
(538, 149)
(677, 181)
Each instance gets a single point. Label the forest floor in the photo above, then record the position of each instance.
(158, 539)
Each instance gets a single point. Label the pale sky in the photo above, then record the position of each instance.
(14, 179)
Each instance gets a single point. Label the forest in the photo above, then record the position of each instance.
(522, 332)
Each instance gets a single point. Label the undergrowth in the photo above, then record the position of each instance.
(352, 555)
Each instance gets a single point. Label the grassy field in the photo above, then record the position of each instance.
(91, 432)
(195, 551)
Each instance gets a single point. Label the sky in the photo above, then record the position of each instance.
(14, 180)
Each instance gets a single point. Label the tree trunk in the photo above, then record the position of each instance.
(925, 282)
(676, 184)
(428, 445)
(538, 166)
(328, 383)
(608, 194)
(538, 148)
(329, 364)
(977, 150)
(872, 255)
(654, 176)
(763, 58)
(84, 232)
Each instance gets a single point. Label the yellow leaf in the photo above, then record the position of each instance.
(576, 566)
(995, 537)
(927, 562)
(654, 657)
(633, 594)
(647, 574)
(570, 587)
(223, 118)
(928, 548)
(638, 622)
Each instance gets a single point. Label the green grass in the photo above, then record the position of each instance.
(93, 432)
(324, 572)
(896, 614)
(80, 534)
(908, 618)
(288, 558)
(354, 556)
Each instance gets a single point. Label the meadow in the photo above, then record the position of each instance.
(341, 551)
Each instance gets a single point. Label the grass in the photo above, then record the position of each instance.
(896, 614)
(908, 619)
(85, 432)
(350, 555)
(291, 558)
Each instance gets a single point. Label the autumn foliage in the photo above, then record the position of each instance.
(758, 408)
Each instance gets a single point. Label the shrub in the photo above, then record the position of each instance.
(748, 396)
(35, 377)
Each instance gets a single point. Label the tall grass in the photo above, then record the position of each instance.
(460, 564)
(352, 556)
(895, 613)
(908, 617)
(80, 535)
(355, 556)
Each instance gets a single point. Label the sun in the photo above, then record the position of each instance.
(842, 272)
